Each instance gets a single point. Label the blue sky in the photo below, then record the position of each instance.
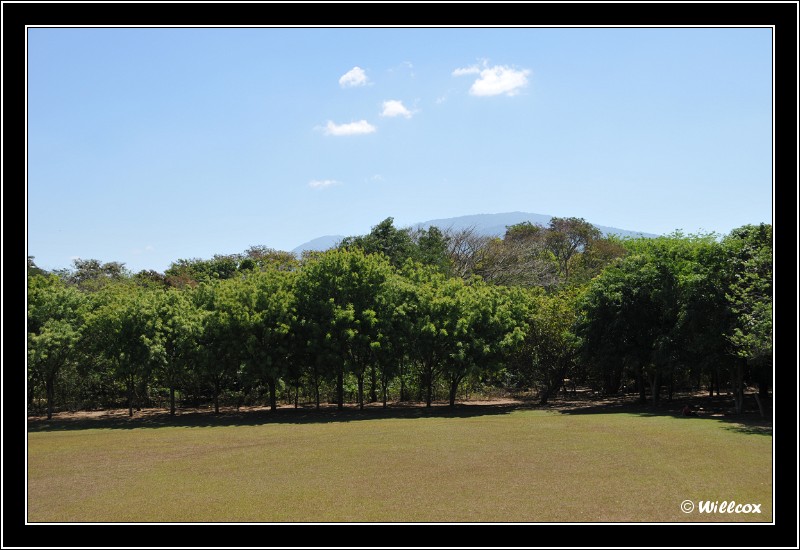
(147, 145)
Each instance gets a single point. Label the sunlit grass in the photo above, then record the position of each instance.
(525, 466)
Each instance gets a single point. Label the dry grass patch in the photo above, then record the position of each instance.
(522, 466)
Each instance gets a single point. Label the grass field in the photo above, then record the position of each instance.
(474, 464)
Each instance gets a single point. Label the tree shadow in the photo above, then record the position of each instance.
(256, 416)
(718, 408)
(715, 408)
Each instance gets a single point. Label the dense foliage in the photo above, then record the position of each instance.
(402, 314)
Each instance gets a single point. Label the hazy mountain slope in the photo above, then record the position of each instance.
(320, 243)
(485, 224)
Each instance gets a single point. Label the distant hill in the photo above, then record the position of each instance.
(320, 243)
(495, 224)
(485, 224)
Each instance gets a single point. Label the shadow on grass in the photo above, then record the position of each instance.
(718, 408)
(159, 418)
(713, 408)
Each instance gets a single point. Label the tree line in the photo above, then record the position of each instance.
(409, 314)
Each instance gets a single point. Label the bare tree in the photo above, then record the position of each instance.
(466, 249)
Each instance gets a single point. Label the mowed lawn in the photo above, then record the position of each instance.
(522, 466)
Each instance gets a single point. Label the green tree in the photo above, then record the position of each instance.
(34, 269)
(549, 351)
(124, 329)
(637, 306)
(434, 313)
(749, 249)
(432, 248)
(598, 253)
(55, 322)
(394, 325)
(657, 310)
(487, 329)
(220, 351)
(93, 274)
(566, 237)
(337, 293)
(181, 325)
(263, 317)
(704, 315)
(263, 257)
(193, 271)
(396, 244)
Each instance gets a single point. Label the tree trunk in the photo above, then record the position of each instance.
(760, 406)
(384, 388)
(137, 395)
(360, 377)
(402, 384)
(671, 386)
(130, 396)
(738, 387)
(611, 386)
(50, 385)
(272, 401)
(32, 396)
(340, 388)
(763, 382)
(172, 400)
(544, 395)
(640, 383)
(453, 389)
(316, 391)
(216, 396)
(616, 379)
(373, 393)
(655, 386)
(429, 392)
(296, 395)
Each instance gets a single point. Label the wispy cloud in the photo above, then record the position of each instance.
(322, 184)
(349, 129)
(395, 107)
(147, 248)
(467, 70)
(377, 178)
(405, 66)
(496, 80)
(354, 77)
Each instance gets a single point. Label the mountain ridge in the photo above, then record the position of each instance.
(485, 224)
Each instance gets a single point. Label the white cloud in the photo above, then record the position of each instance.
(395, 107)
(354, 77)
(322, 184)
(496, 80)
(349, 129)
(147, 248)
(467, 70)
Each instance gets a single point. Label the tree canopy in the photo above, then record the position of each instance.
(409, 314)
